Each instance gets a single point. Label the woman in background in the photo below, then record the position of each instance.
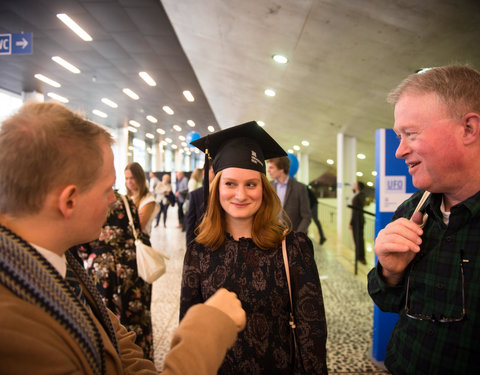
(111, 261)
(165, 197)
(239, 247)
(195, 180)
(137, 190)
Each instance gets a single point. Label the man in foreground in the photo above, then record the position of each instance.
(56, 178)
(428, 266)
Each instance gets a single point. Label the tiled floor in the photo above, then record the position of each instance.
(348, 307)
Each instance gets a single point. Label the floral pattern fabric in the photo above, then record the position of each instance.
(258, 278)
(111, 261)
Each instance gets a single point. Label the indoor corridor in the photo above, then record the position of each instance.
(349, 309)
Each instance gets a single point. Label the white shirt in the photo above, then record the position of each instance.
(281, 189)
(58, 262)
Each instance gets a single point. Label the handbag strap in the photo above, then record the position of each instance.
(129, 213)
(287, 272)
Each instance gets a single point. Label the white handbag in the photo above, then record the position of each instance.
(150, 262)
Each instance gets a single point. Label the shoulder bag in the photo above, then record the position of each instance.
(150, 262)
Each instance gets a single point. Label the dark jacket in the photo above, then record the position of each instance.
(297, 205)
(194, 214)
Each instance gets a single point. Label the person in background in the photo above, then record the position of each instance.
(137, 190)
(312, 198)
(428, 268)
(239, 245)
(195, 180)
(112, 264)
(61, 325)
(292, 194)
(196, 209)
(165, 198)
(357, 221)
(181, 192)
(152, 183)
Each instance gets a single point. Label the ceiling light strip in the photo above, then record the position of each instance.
(74, 27)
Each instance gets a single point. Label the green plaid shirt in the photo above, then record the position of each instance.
(427, 347)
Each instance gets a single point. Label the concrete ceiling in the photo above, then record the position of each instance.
(344, 57)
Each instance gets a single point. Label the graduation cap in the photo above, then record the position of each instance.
(245, 146)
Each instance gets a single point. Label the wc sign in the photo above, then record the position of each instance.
(16, 44)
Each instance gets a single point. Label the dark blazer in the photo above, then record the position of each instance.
(297, 205)
(194, 213)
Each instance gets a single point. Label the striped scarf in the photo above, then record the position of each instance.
(32, 278)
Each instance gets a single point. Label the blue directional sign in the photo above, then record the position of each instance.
(16, 44)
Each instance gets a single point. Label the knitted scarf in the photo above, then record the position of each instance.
(32, 278)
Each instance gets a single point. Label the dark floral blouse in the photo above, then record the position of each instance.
(111, 261)
(258, 278)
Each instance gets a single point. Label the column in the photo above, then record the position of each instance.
(346, 177)
(302, 173)
(120, 151)
(33, 96)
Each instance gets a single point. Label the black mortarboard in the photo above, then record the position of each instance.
(244, 146)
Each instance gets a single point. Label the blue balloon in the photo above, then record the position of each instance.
(293, 165)
(192, 136)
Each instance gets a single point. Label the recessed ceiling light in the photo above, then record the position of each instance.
(290, 151)
(57, 97)
(146, 77)
(168, 110)
(359, 174)
(188, 95)
(191, 123)
(150, 135)
(306, 143)
(177, 128)
(181, 137)
(330, 161)
(280, 59)
(361, 156)
(109, 102)
(74, 27)
(296, 148)
(132, 129)
(270, 92)
(184, 144)
(168, 140)
(174, 147)
(152, 119)
(134, 123)
(261, 123)
(99, 113)
(131, 94)
(160, 131)
(72, 68)
(369, 183)
(211, 129)
(374, 173)
(47, 80)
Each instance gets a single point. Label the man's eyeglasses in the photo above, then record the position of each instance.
(441, 319)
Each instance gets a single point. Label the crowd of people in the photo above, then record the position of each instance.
(251, 298)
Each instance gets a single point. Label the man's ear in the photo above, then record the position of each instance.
(67, 200)
(471, 124)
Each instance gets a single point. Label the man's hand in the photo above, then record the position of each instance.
(396, 246)
(228, 303)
